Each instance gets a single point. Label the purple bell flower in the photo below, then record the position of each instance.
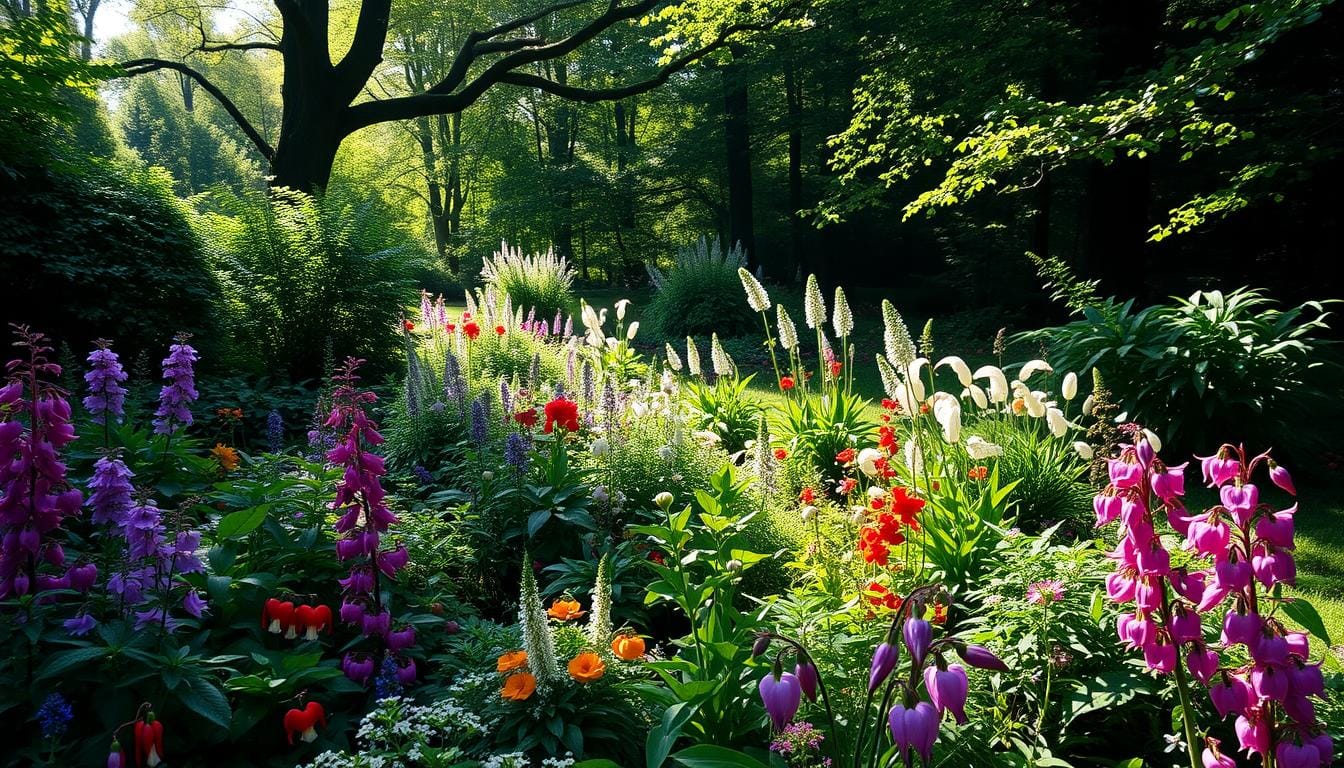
(918, 634)
(947, 690)
(884, 660)
(781, 693)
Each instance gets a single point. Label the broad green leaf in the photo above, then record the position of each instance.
(710, 756)
(1304, 613)
(242, 522)
(665, 734)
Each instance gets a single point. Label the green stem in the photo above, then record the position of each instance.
(1188, 717)
(1045, 698)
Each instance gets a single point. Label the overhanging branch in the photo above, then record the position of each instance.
(144, 66)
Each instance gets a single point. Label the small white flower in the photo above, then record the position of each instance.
(958, 367)
(1032, 366)
(876, 492)
(487, 475)
(620, 308)
(979, 448)
(867, 461)
(600, 447)
(809, 513)
(733, 565)
(1069, 389)
(1083, 450)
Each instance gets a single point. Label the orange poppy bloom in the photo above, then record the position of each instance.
(587, 667)
(511, 661)
(519, 687)
(226, 456)
(628, 647)
(564, 610)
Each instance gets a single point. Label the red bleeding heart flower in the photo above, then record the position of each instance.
(304, 722)
(278, 616)
(527, 418)
(148, 741)
(845, 456)
(312, 619)
(786, 383)
(562, 412)
(471, 329)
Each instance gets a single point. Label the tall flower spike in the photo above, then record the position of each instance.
(723, 364)
(106, 398)
(841, 317)
(599, 621)
(814, 306)
(900, 347)
(537, 640)
(891, 381)
(788, 333)
(756, 295)
(673, 360)
(179, 393)
(692, 357)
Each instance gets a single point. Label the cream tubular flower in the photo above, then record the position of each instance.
(958, 367)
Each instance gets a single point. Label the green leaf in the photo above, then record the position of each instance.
(206, 700)
(1304, 613)
(664, 735)
(242, 522)
(536, 520)
(710, 756)
(64, 661)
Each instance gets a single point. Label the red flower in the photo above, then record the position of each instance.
(304, 722)
(786, 383)
(906, 508)
(847, 486)
(408, 325)
(845, 456)
(466, 316)
(313, 619)
(527, 418)
(278, 617)
(781, 454)
(978, 473)
(873, 548)
(449, 327)
(499, 330)
(939, 613)
(881, 596)
(886, 439)
(148, 741)
(807, 496)
(471, 329)
(889, 404)
(656, 557)
(562, 412)
(835, 369)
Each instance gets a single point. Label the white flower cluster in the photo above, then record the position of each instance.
(507, 760)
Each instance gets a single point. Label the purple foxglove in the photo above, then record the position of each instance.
(1189, 585)
(193, 604)
(1203, 664)
(1277, 529)
(355, 669)
(1120, 586)
(1252, 735)
(884, 660)
(83, 576)
(1292, 755)
(401, 639)
(781, 693)
(947, 690)
(1232, 575)
(1241, 628)
(1269, 683)
(1107, 508)
(352, 613)
(1228, 696)
(896, 723)
(80, 625)
(982, 658)
(1185, 625)
(806, 672)
(918, 634)
(1124, 474)
(1208, 535)
(1280, 477)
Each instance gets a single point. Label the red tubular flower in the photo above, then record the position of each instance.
(562, 412)
(781, 454)
(786, 383)
(527, 418)
(807, 496)
(304, 722)
(409, 326)
(835, 369)
(471, 329)
(881, 596)
(978, 473)
(148, 741)
(845, 456)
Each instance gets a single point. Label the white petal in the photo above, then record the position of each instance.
(959, 367)
(1070, 386)
(1033, 366)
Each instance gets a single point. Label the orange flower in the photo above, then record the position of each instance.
(226, 456)
(519, 687)
(587, 667)
(978, 473)
(511, 661)
(628, 647)
(1019, 405)
(565, 610)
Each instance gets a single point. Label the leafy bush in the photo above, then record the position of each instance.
(541, 281)
(1049, 475)
(700, 294)
(300, 273)
(1208, 365)
(725, 409)
(105, 252)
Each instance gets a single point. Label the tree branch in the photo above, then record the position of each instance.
(366, 49)
(252, 46)
(474, 46)
(143, 66)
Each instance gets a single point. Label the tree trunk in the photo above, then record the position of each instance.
(86, 45)
(737, 142)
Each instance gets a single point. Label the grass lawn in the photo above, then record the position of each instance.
(1320, 557)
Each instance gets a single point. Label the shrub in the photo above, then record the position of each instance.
(700, 294)
(1049, 473)
(541, 281)
(299, 272)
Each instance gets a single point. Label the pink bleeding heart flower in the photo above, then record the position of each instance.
(1252, 734)
(1208, 535)
(1240, 500)
(1228, 696)
(1277, 529)
(1241, 628)
(1203, 664)
(1124, 474)
(1214, 758)
(1269, 683)
(1289, 754)
(1107, 508)
(1169, 484)
(1219, 468)
(1160, 657)
(781, 693)
(1280, 477)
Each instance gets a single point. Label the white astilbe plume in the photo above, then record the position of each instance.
(814, 306)
(756, 295)
(471, 304)
(723, 364)
(673, 359)
(788, 333)
(764, 458)
(599, 620)
(900, 347)
(692, 357)
(537, 640)
(841, 317)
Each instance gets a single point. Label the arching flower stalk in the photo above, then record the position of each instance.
(759, 301)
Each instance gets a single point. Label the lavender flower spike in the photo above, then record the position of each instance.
(179, 393)
(106, 398)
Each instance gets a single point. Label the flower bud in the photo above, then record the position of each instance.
(809, 513)
(761, 645)
(733, 565)
(663, 500)
(981, 657)
(487, 475)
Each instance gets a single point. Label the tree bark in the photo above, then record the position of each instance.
(737, 143)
